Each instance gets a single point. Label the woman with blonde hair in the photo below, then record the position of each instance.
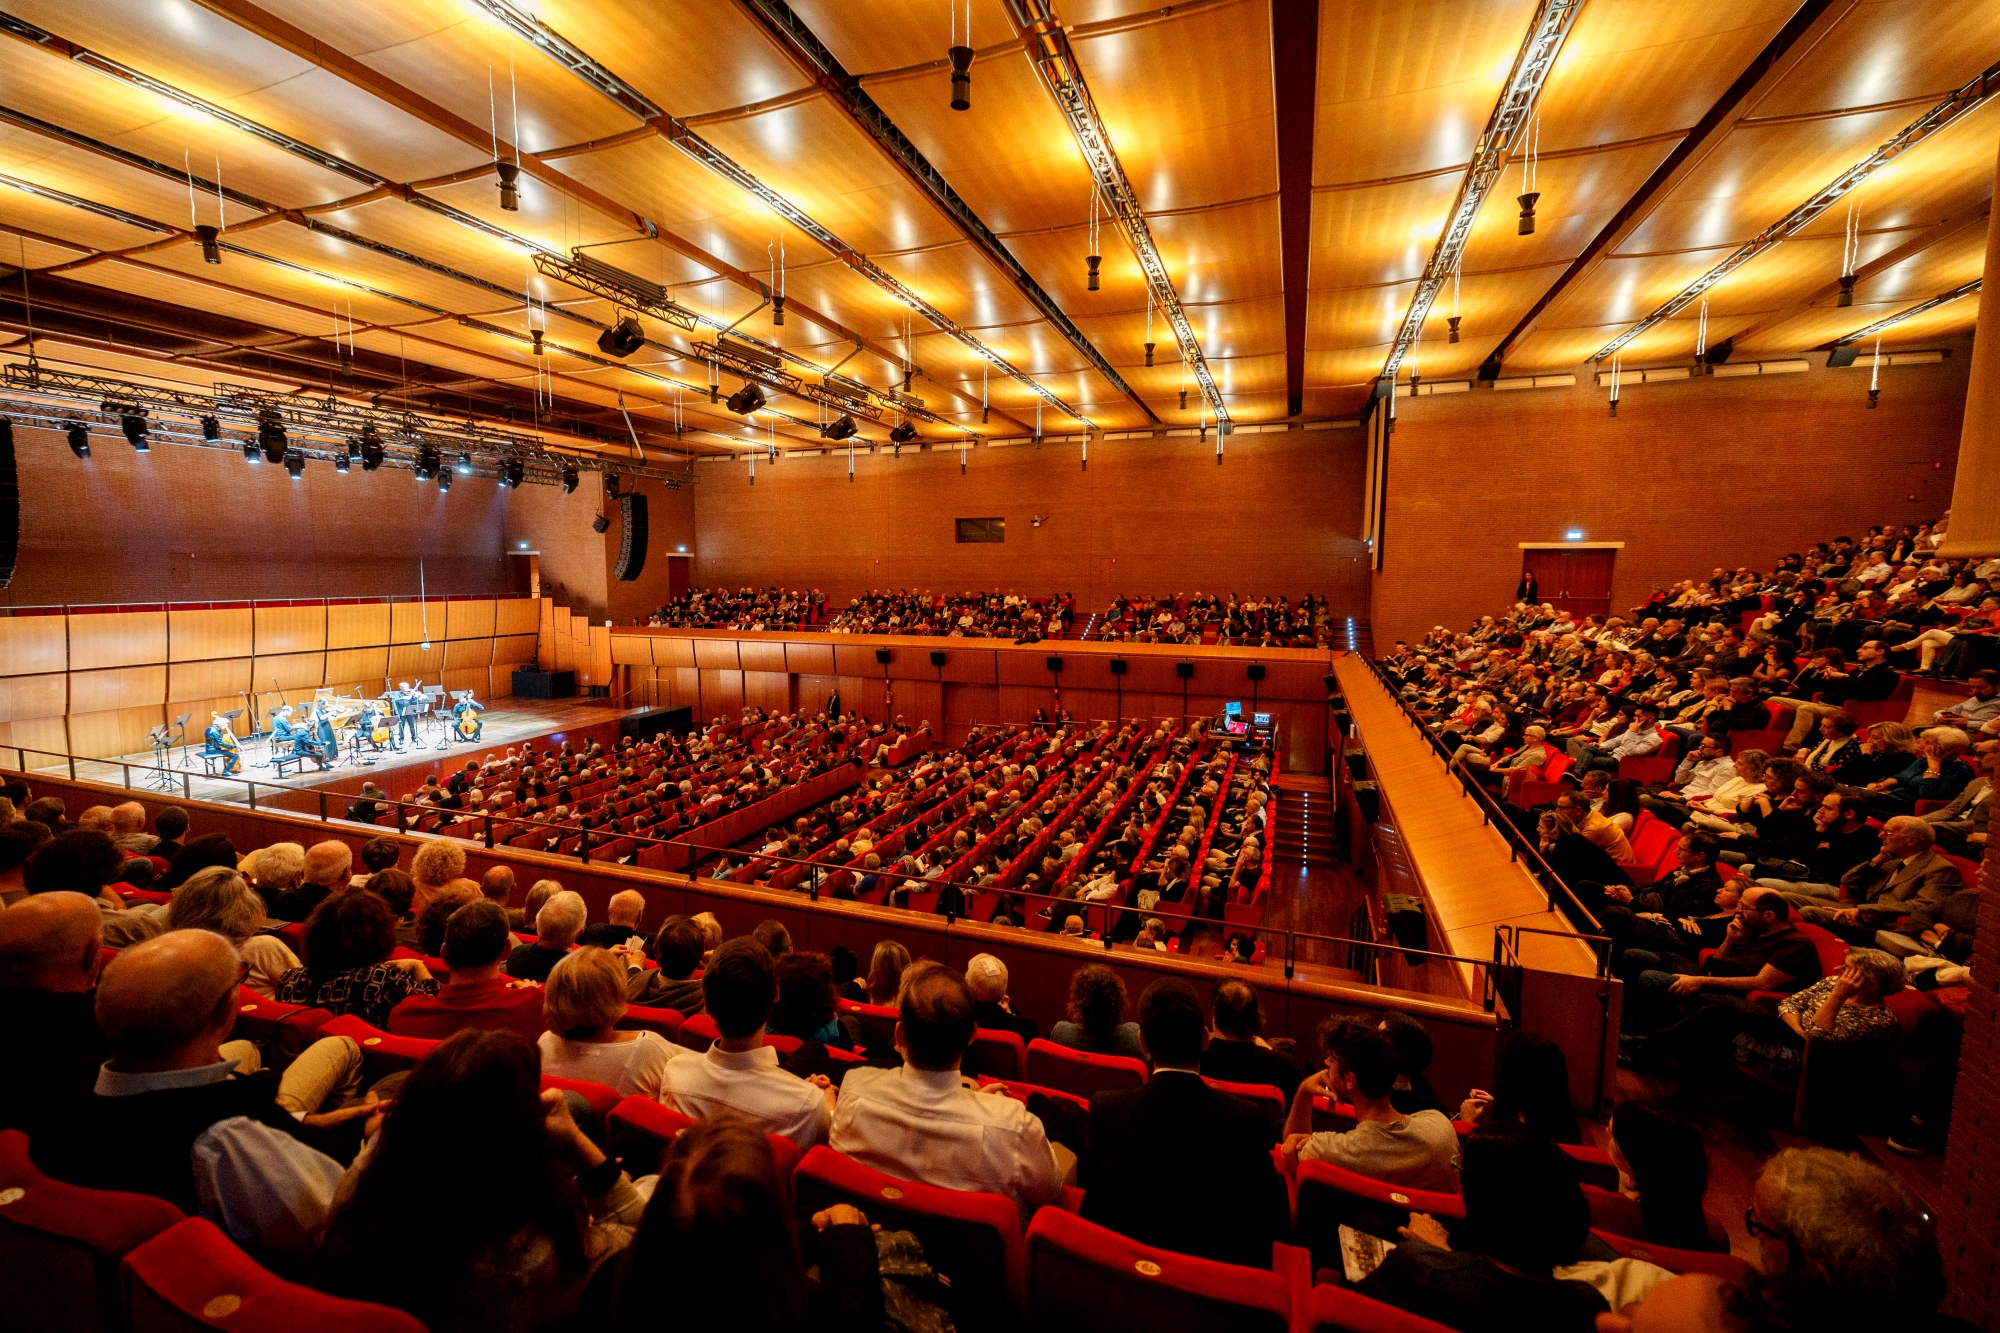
(584, 1002)
(437, 862)
(219, 899)
(885, 972)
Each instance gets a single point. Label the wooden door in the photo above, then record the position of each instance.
(680, 574)
(1576, 581)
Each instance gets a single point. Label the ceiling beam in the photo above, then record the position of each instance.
(1942, 298)
(1295, 86)
(1809, 23)
(1888, 259)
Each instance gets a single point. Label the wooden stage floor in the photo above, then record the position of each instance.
(507, 722)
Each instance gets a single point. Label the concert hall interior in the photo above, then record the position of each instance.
(1239, 715)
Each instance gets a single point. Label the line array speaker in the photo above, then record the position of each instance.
(10, 505)
(632, 543)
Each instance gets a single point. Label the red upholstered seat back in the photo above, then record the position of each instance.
(60, 1245)
(1338, 1310)
(1081, 1072)
(1083, 1277)
(191, 1277)
(1330, 1197)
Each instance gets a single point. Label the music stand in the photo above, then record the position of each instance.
(162, 742)
(181, 735)
(434, 713)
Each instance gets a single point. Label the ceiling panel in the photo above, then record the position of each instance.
(1384, 233)
(891, 34)
(1887, 50)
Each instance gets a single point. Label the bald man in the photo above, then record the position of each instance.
(329, 866)
(177, 1114)
(50, 1044)
(623, 912)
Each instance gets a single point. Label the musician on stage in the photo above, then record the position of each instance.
(465, 718)
(409, 703)
(286, 734)
(373, 730)
(325, 746)
(220, 740)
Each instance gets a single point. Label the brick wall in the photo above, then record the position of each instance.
(1689, 476)
(1969, 1210)
(1281, 515)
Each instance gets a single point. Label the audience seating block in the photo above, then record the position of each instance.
(996, 1054)
(1338, 1310)
(1080, 1072)
(1083, 1278)
(1330, 1196)
(191, 1277)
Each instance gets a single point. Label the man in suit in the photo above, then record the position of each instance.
(1908, 875)
(408, 703)
(1229, 1204)
(1961, 827)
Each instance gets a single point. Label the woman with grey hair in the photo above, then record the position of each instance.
(1848, 1006)
(219, 899)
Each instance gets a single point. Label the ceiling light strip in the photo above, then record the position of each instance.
(1532, 65)
(1061, 74)
(1960, 102)
(559, 49)
(780, 17)
(88, 205)
(1945, 298)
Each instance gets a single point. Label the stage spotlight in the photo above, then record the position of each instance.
(211, 243)
(271, 435)
(428, 462)
(250, 454)
(295, 463)
(444, 479)
(611, 484)
(510, 186)
(570, 477)
(622, 339)
(465, 464)
(211, 429)
(903, 433)
(512, 473)
(341, 462)
(746, 400)
(134, 426)
(371, 448)
(79, 438)
(840, 428)
(600, 523)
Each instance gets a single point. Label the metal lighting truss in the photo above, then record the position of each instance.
(1511, 114)
(559, 49)
(317, 428)
(1057, 65)
(1961, 101)
(1945, 298)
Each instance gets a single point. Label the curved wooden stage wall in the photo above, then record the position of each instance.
(92, 681)
(715, 672)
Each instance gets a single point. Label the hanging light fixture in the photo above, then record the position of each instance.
(271, 435)
(960, 55)
(211, 429)
(211, 243)
(371, 448)
(1149, 326)
(746, 400)
(133, 422)
(840, 428)
(903, 433)
(1850, 255)
(78, 436)
(570, 477)
(295, 463)
(510, 186)
(1451, 324)
(1530, 176)
(1096, 255)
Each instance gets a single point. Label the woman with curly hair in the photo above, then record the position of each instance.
(349, 938)
(1096, 1011)
(438, 862)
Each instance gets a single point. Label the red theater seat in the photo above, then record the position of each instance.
(191, 1277)
(1338, 1310)
(1330, 1197)
(1080, 1072)
(998, 1054)
(1083, 1278)
(60, 1246)
(1726, 1266)
(641, 1120)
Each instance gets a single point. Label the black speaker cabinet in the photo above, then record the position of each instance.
(1185, 670)
(10, 505)
(644, 726)
(532, 684)
(632, 542)
(1256, 671)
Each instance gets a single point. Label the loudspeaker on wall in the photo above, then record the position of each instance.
(632, 543)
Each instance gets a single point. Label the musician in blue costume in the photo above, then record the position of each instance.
(325, 747)
(287, 738)
(465, 721)
(409, 703)
(220, 740)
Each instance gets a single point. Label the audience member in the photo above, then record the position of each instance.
(478, 993)
(585, 1002)
(677, 947)
(1531, 1093)
(987, 977)
(557, 925)
(171, 824)
(348, 970)
(1418, 1150)
(1236, 1050)
(1096, 1008)
(807, 1006)
(885, 973)
(1663, 1167)
(621, 923)
(436, 863)
(18, 842)
(128, 829)
(1413, 1091)
(49, 959)
(218, 899)
(327, 870)
(86, 861)
(777, 941)
(739, 1072)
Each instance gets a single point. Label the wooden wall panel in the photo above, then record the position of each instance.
(408, 661)
(117, 688)
(813, 693)
(1151, 674)
(597, 665)
(208, 680)
(193, 636)
(32, 645)
(463, 654)
(364, 665)
(762, 655)
(1017, 703)
(855, 660)
(1083, 671)
(413, 621)
(469, 620)
(864, 695)
(1295, 680)
(809, 658)
(768, 690)
(920, 701)
(1090, 705)
(966, 706)
(43, 739)
(26, 697)
(673, 653)
(290, 629)
(721, 693)
(113, 732)
(357, 625)
(632, 650)
(971, 666)
(683, 688)
(125, 638)
(717, 655)
(290, 673)
(517, 615)
(476, 679)
(513, 649)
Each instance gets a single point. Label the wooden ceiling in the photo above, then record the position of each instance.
(356, 142)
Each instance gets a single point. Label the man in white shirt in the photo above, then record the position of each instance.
(1419, 1150)
(919, 1122)
(740, 1073)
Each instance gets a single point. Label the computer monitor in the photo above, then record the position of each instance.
(1262, 721)
(1236, 726)
(1233, 709)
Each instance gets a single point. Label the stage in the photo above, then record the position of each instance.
(508, 722)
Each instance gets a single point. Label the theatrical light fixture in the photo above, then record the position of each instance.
(1527, 203)
(840, 428)
(535, 337)
(777, 310)
(134, 426)
(1846, 297)
(622, 339)
(271, 435)
(611, 485)
(211, 429)
(1451, 323)
(295, 463)
(961, 77)
(746, 400)
(600, 523)
(211, 243)
(444, 479)
(570, 477)
(372, 452)
(903, 433)
(250, 454)
(429, 462)
(510, 182)
(511, 474)
(79, 438)
(341, 462)
(1149, 354)
(465, 464)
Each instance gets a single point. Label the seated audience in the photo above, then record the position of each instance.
(1413, 1091)
(18, 842)
(348, 970)
(85, 861)
(807, 1006)
(1663, 1167)
(739, 1073)
(557, 925)
(378, 855)
(1096, 1008)
(218, 899)
(49, 959)
(1909, 875)
(436, 863)
(276, 871)
(622, 921)
(327, 870)
(1419, 1150)
(918, 1122)
(987, 976)
(885, 973)
(677, 947)
(585, 1001)
(478, 993)
(1531, 1092)
(128, 829)
(171, 824)
(1228, 1202)
(534, 1204)
(1236, 1050)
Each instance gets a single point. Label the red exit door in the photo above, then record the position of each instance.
(1575, 581)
